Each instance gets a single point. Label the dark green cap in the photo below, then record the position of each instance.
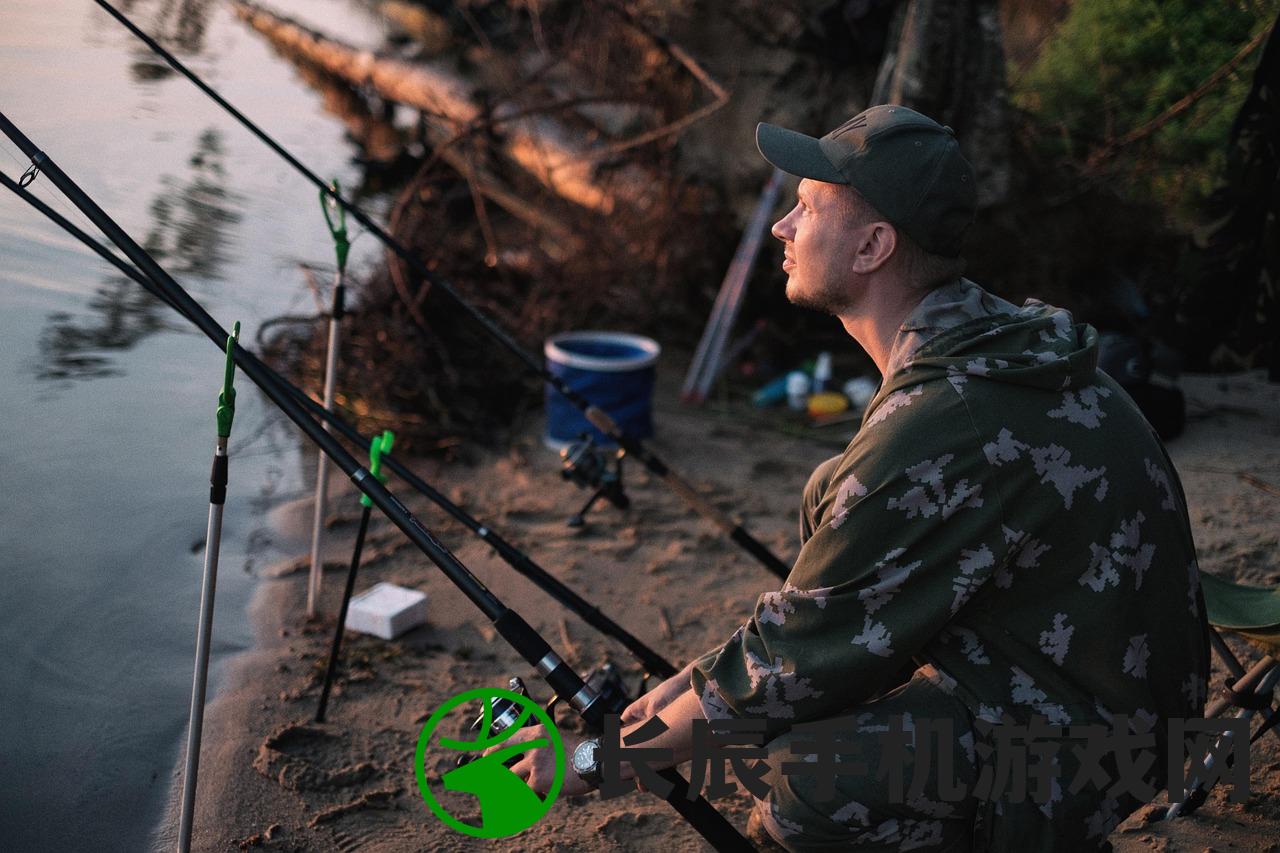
(905, 164)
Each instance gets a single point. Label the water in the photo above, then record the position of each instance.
(107, 397)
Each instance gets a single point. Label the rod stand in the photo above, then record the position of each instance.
(592, 467)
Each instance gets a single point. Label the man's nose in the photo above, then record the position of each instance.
(782, 229)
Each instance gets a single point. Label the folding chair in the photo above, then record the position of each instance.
(1254, 614)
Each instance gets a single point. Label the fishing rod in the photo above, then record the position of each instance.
(519, 634)
(341, 246)
(598, 418)
(605, 679)
(653, 663)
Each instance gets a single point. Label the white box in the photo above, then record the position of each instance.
(387, 611)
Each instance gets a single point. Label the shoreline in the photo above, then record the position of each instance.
(270, 779)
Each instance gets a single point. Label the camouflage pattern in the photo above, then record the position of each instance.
(1006, 518)
(859, 815)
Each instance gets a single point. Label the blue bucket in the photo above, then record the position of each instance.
(613, 370)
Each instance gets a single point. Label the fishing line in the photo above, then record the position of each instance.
(531, 646)
(596, 416)
(653, 663)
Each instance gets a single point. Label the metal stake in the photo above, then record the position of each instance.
(509, 624)
(598, 418)
(341, 246)
(379, 446)
(217, 498)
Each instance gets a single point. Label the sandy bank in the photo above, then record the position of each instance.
(270, 779)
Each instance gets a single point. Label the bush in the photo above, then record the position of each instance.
(1115, 65)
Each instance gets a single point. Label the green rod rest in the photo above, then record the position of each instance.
(329, 206)
(381, 444)
(227, 398)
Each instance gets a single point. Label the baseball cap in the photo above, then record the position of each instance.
(905, 164)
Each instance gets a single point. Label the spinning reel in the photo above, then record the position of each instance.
(594, 467)
(604, 680)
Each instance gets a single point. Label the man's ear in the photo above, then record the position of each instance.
(879, 240)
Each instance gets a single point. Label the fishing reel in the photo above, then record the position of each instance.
(503, 714)
(593, 467)
(604, 681)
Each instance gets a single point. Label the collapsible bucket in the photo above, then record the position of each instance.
(613, 370)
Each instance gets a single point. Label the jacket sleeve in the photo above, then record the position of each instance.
(909, 528)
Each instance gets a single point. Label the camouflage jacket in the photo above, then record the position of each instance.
(1005, 514)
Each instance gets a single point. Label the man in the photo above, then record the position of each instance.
(1005, 523)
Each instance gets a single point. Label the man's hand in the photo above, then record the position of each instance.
(538, 768)
(674, 696)
(658, 698)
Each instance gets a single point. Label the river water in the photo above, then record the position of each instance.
(107, 398)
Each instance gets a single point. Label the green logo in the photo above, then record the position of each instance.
(507, 804)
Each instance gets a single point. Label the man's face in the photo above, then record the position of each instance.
(821, 236)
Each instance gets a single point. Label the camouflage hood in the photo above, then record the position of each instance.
(1037, 345)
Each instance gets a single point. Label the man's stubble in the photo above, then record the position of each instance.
(828, 298)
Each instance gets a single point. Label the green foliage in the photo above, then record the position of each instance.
(1115, 65)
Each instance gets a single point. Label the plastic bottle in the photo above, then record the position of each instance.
(821, 372)
(797, 390)
(860, 390)
(772, 393)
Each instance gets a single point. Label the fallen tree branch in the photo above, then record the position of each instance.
(552, 153)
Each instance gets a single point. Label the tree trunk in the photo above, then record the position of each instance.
(1229, 314)
(945, 58)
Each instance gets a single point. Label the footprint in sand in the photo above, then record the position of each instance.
(295, 757)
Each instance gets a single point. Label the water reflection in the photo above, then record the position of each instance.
(375, 133)
(385, 148)
(179, 25)
(191, 221)
(73, 350)
(189, 233)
